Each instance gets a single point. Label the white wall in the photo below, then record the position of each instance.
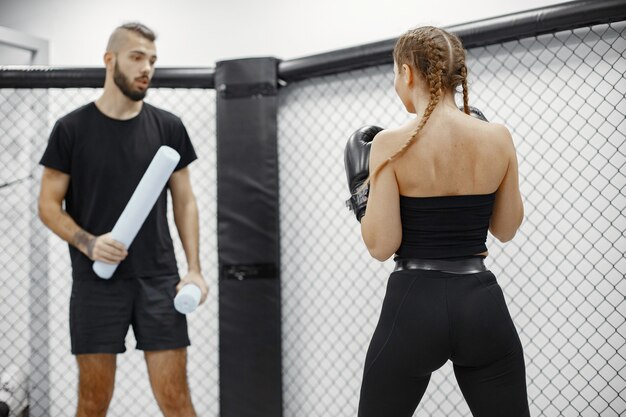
(199, 33)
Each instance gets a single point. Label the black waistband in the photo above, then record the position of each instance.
(457, 266)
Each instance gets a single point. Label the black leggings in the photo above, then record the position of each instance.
(429, 317)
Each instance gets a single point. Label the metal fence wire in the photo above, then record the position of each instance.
(36, 272)
(562, 95)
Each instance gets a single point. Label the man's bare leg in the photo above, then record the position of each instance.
(96, 379)
(168, 378)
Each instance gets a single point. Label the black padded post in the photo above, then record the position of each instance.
(248, 238)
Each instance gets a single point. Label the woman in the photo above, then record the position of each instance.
(437, 184)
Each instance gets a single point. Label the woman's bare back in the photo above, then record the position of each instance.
(455, 154)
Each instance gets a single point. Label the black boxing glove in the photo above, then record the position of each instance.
(473, 111)
(357, 161)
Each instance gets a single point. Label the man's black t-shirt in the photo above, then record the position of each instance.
(106, 158)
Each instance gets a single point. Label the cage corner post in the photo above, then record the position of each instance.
(248, 238)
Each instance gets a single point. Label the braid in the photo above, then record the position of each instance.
(434, 77)
(460, 75)
(465, 90)
(440, 58)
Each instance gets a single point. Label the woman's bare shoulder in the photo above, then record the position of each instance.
(497, 133)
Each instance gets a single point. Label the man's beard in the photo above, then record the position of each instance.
(125, 85)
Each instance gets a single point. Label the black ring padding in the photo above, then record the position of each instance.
(53, 77)
(335, 62)
(252, 271)
(246, 90)
(558, 17)
(4, 409)
(534, 22)
(184, 78)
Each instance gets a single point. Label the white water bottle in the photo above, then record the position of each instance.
(187, 299)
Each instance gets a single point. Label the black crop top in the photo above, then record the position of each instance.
(445, 226)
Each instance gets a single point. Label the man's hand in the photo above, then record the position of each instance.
(195, 277)
(100, 248)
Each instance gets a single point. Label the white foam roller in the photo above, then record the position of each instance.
(140, 203)
(187, 299)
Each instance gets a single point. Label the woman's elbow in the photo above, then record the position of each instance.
(504, 236)
(380, 255)
(506, 233)
(381, 251)
(381, 242)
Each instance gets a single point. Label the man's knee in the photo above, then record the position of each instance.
(174, 396)
(172, 389)
(94, 402)
(92, 407)
(96, 380)
(168, 376)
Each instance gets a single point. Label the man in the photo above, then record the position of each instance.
(94, 160)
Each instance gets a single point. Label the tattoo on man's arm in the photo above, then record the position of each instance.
(83, 238)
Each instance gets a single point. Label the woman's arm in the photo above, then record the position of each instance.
(508, 209)
(381, 227)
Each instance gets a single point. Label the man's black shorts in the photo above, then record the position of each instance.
(101, 311)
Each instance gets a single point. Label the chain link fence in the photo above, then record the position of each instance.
(562, 95)
(36, 273)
